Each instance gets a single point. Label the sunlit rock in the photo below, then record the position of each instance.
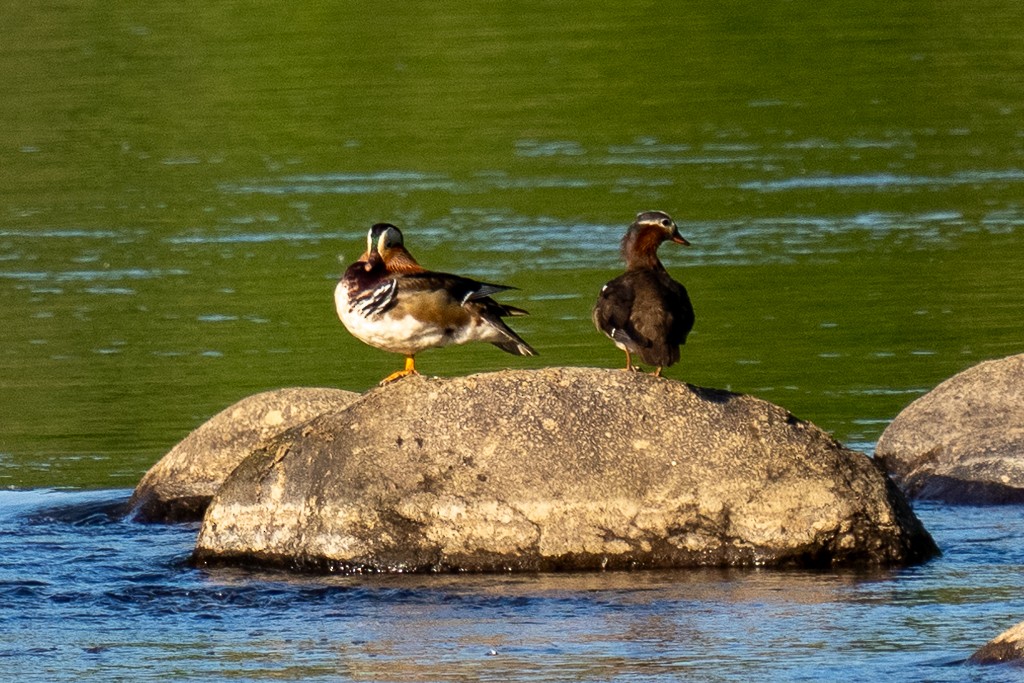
(557, 469)
(181, 484)
(1008, 646)
(963, 442)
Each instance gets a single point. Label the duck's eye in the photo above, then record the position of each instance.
(666, 222)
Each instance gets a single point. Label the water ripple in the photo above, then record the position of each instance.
(346, 183)
(93, 275)
(882, 180)
(79, 580)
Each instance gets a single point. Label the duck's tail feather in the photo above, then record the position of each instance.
(516, 346)
(510, 341)
(512, 311)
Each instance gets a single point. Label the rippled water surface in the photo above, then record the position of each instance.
(180, 187)
(84, 596)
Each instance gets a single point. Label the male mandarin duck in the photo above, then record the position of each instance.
(388, 300)
(644, 311)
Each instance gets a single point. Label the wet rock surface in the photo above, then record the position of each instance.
(562, 468)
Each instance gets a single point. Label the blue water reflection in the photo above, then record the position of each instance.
(85, 595)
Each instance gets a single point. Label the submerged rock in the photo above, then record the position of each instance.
(1008, 646)
(180, 485)
(563, 468)
(963, 442)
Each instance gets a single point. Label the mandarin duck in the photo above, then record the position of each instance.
(644, 311)
(388, 300)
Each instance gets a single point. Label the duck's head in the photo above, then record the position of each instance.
(660, 222)
(384, 244)
(645, 235)
(382, 238)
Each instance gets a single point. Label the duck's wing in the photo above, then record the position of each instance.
(370, 291)
(661, 319)
(682, 314)
(452, 296)
(462, 289)
(613, 313)
(664, 312)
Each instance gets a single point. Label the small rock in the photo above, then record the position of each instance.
(962, 442)
(180, 485)
(1008, 646)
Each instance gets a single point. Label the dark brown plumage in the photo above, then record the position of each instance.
(644, 311)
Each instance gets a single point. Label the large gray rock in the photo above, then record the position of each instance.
(963, 442)
(563, 468)
(1007, 647)
(180, 485)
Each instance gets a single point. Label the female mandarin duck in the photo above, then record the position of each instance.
(644, 311)
(387, 300)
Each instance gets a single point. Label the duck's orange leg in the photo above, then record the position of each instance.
(410, 369)
(629, 361)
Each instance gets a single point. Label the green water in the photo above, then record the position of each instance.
(180, 187)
